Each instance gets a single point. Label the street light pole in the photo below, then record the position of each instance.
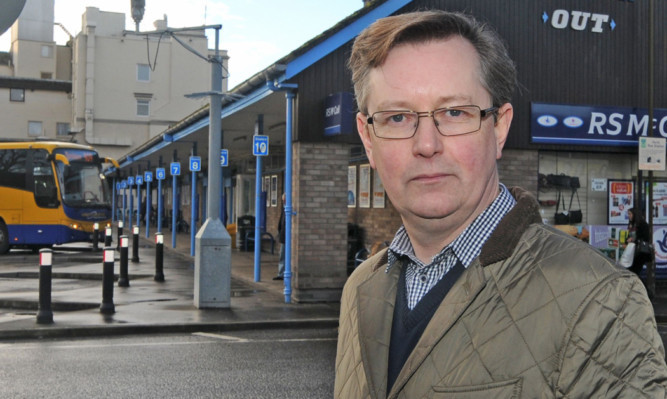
(213, 244)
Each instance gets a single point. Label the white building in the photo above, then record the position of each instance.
(107, 87)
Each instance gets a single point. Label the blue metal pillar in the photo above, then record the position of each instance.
(289, 89)
(124, 203)
(259, 130)
(288, 196)
(258, 232)
(114, 196)
(131, 209)
(159, 205)
(223, 215)
(174, 210)
(193, 213)
(139, 204)
(148, 206)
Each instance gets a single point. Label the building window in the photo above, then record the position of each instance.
(47, 51)
(34, 128)
(17, 95)
(62, 129)
(46, 75)
(143, 107)
(143, 73)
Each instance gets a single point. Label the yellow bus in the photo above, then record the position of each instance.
(50, 193)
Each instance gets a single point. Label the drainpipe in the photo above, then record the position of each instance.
(289, 89)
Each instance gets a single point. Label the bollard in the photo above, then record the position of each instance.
(107, 306)
(44, 313)
(96, 235)
(124, 279)
(135, 244)
(107, 236)
(120, 233)
(159, 255)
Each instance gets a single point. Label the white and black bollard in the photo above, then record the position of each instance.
(44, 313)
(135, 244)
(159, 256)
(96, 236)
(124, 278)
(120, 233)
(108, 235)
(107, 306)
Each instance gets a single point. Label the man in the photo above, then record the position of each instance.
(475, 297)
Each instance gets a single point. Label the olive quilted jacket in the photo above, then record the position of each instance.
(538, 314)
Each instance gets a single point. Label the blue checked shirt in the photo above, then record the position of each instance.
(420, 277)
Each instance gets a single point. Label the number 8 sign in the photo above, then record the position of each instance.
(195, 164)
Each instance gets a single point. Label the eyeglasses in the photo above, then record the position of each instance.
(451, 121)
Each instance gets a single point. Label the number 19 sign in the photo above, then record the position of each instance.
(260, 146)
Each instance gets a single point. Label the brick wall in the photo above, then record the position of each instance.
(519, 168)
(319, 231)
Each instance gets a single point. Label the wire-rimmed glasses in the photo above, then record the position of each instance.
(450, 121)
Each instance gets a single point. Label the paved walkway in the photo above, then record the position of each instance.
(146, 306)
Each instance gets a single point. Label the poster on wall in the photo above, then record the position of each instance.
(266, 187)
(351, 186)
(365, 186)
(659, 207)
(274, 190)
(378, 191)
(620, 195)
(660, 245)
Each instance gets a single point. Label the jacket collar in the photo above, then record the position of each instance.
(507, 234)
(377, 297)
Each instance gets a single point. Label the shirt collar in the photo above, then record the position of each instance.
(468, 245)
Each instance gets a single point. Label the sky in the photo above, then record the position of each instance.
(256, 33)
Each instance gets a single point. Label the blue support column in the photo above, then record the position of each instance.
(124, 205)
(131, 209)
(289, 89)
(138, 204)
(159, 205)
(258, 232)
(288, 197)
(193, 213)
(114, 199)
(174, 209)
(148, 207)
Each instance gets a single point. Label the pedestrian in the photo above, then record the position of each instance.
(281, 240)
(638, 230)
(475, 296)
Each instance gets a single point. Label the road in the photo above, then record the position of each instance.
(250, 364)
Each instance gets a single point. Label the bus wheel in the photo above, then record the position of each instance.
(4, 238)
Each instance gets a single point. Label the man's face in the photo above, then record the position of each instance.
(430, 177)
